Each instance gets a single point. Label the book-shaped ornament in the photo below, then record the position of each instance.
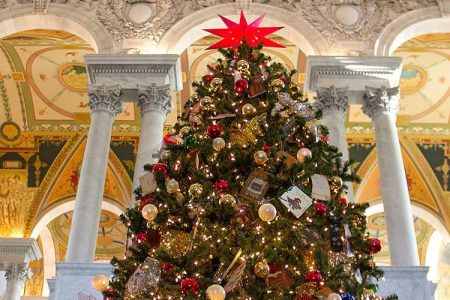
(148, 183)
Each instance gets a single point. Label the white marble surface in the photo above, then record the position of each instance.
(397, 205)
(407, 282)
(86, 217)
(73, 278)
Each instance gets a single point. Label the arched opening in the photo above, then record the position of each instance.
(189, 30)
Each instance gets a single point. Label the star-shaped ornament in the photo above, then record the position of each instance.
(235, 33)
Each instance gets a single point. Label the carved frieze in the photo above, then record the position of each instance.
(145, 19)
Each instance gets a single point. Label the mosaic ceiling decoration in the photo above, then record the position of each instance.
(43, 81)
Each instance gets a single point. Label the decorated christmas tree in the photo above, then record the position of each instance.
(247, 200)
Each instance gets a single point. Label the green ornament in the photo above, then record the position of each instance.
(375, 288)
(190, 142)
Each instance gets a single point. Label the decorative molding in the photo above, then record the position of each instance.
(378, 100)
(104, 98)
(331, 98)
(18, 250)
(349, 20)
(18, 272)
(123, 20)
(154, 98)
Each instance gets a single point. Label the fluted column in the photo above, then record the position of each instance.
(334, 103)
(105, 104)
(381, 105)
(16, 277)
(154, 103)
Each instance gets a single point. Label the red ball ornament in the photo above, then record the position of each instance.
(214, 131)
(140, 237)
(375, 245)
(240, 86)
(273, 268)
(221, 185)
(321, 209)
(282, 78)
(159, 167)
(166, 267)
(303, 296)
(170, 139)
(189, 285)
(266, 148)
(314, 276)
(343, 202)
(208, 78)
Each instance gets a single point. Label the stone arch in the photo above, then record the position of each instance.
(20, 18)
(190, 29)
(409, 25)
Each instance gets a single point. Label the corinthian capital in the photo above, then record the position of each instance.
(332, 98)
(106, 98)
(378, 100)
(18, 272)
(154, 98)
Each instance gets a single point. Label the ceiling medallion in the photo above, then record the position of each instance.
(140, 19)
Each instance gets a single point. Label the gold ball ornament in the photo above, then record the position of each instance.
(172, 186)
(218, 143)
(149, 212)
(207, 103)
(336, 180)
(185, 130)
(195, 190)
(261, 269)
(242, 65)
(216, 83)
(215, 292)
(227, 199)
(277, 84)
(248, 109)
(260, 157)
(334, 296)
(303, 153)
(100, 282)
(267, 212)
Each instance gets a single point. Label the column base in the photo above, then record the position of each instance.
(407, 283)
(74, 279)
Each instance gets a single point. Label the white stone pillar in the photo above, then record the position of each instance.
(105, 104)
(16, 277)
(381, 105)
(154, 103)
(334, 103)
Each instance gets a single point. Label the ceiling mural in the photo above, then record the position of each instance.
(110, 240)
(424, 83)
(44, 81)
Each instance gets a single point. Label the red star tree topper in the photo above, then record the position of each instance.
(235, 33)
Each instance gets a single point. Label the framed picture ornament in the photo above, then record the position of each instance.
(256, 186)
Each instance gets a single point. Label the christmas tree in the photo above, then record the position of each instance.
(247, 200)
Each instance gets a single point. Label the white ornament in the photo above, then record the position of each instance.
(100, 282)
(149, 212)
(267, 212)
(303, 153)
(215, 292)
(218, 143)
(334, 296)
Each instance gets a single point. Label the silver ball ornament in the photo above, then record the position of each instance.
(149, 212)
(303, 153)
(215, 292)
(267, 212)
(218, 143)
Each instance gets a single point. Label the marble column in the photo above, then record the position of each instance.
(154, 103)
(16, 277)
(381, 105)
(105, 104)
(334, 103)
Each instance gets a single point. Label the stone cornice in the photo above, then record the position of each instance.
(105, 98)
(332, 98)
(18, 250)
(154, 98)
(378, 100)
